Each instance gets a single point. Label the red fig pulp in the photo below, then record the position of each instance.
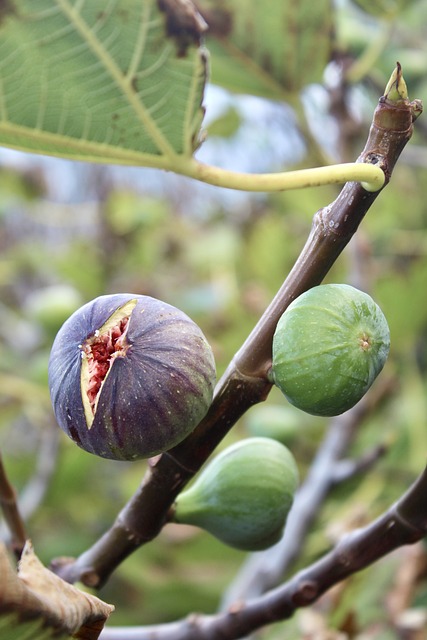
(98, 354)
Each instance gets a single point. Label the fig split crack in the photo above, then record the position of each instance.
(98, 354)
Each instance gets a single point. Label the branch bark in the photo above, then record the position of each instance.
(404, 523)
(246, 381)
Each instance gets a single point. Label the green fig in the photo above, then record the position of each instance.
(244, 495)
(328, 348)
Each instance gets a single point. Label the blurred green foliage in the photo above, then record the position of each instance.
(222, 265)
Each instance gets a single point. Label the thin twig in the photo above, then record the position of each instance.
(35, 489)
(33, 493)
(11, 513)
(349, 467)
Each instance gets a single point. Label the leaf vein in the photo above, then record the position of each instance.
(79, 149)
(140, 44)
(73, 13)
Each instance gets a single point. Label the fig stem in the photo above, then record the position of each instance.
(246, 380)
(369, 175)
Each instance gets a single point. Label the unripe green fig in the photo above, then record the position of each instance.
(244, 495)
(130, 376)
(328, 348)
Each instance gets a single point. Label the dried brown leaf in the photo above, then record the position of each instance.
(35, 592)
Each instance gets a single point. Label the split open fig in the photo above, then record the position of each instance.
(130, 376)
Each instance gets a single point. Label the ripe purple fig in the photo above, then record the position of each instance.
(130, 376)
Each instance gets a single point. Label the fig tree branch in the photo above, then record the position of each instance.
(264, 570)
(349, 467)
(404, 523)
(246, 381)
(371, 177)
(34, 491)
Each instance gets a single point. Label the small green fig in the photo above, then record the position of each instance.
(244, 495)
(130, 376)
(328, 348)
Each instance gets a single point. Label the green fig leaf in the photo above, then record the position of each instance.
(268, 48)
(119, 82)
(12, 628)
(382, 8)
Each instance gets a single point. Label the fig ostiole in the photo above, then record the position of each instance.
(328, 348)
(243, 496)
(130, 376)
